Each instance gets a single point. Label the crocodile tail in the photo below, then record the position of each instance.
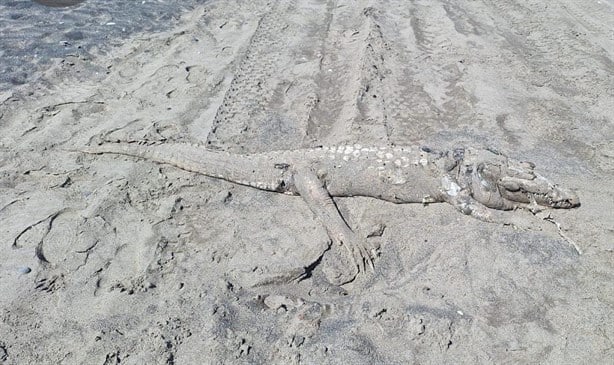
(237, 168)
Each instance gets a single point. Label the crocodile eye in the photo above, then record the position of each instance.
(480, 169)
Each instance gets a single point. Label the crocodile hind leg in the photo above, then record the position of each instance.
(313, 192)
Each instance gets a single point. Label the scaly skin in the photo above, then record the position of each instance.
(474, 181)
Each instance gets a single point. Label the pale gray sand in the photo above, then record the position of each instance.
(132, 262)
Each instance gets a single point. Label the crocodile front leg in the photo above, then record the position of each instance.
(466, 204)
(469, 206)
(314, 193)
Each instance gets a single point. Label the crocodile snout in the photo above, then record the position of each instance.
(563, 198)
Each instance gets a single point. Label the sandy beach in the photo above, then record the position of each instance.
(108, 259)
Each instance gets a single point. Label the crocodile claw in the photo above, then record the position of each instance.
(358, 250)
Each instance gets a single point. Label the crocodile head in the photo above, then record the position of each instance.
(504, 184)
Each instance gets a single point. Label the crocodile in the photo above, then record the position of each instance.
(477, 182)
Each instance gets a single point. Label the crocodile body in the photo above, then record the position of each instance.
(400, 175)
(475, 181)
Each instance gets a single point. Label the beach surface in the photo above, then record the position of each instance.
(109, 259)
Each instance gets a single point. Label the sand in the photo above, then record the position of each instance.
(108, 260)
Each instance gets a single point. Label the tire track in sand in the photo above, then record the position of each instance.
(244, 103)
(348, 108)
(272, 93)
(425, 96)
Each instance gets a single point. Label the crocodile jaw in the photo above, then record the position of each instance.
(511, 185)
(538, 191)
